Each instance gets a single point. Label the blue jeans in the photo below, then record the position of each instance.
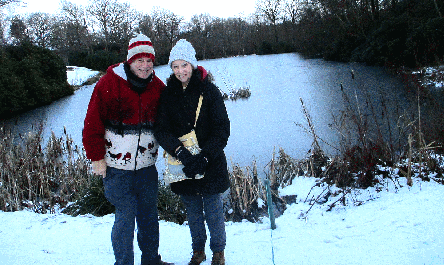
(134, 194)
(209, 208)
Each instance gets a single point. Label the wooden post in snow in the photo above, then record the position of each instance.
(270, 205)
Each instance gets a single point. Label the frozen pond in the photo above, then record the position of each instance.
(267, 120)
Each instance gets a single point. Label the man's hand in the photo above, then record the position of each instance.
(99, 167)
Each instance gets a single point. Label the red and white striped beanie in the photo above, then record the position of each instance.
(140, 46)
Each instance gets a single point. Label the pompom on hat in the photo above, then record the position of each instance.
(140, 46)
(183, 50)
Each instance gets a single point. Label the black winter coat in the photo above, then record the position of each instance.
(176, 116)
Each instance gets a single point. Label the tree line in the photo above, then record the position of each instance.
(378, 32)
(393, 33)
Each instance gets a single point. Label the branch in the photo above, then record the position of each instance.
(7, 2)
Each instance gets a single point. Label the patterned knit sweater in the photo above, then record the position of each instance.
(119, 121)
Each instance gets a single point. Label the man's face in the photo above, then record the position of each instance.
(142, 67)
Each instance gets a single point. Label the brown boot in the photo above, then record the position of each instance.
(198, 257)
(165, 263)
(218, 258)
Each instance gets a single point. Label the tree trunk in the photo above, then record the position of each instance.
(375, 9)
(437, 8)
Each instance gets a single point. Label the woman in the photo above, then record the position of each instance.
(176, 117)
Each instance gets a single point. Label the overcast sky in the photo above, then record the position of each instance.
(185, 8)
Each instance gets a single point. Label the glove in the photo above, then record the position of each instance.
(99, 167)
(198, 165)
(184, 155)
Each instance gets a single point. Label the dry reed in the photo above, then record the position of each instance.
(40, 178)
(245, 190)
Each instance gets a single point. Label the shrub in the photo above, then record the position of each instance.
(426, 43)
(92, 200)
(170, 206)
(386, 45)
(30, 77)
(101, 60)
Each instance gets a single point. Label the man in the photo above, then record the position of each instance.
(118, 139)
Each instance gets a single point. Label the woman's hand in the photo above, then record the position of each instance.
(184, 155)
(197, 166)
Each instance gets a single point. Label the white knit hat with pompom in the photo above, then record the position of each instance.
(183, 50)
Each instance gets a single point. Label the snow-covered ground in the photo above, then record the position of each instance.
(391, 223)
(398, 225)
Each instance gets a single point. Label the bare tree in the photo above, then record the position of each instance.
(341, 9)
(166, 28)
(39, 25)
(292, 8)
(114, 19)
(271, 11)
(375, 9)
(146, 26)
(219, 38)
(239, 36)
(351, 14)
(73, 13)
(200, 27)
(18, 30)
(73, 28)
(200, 23)
(437, 8)
(2, 30)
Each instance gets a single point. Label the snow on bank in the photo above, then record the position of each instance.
(397, 225)
(432, 77)
(78, 75)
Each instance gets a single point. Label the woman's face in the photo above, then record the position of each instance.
(142, 67)
(182, 70)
